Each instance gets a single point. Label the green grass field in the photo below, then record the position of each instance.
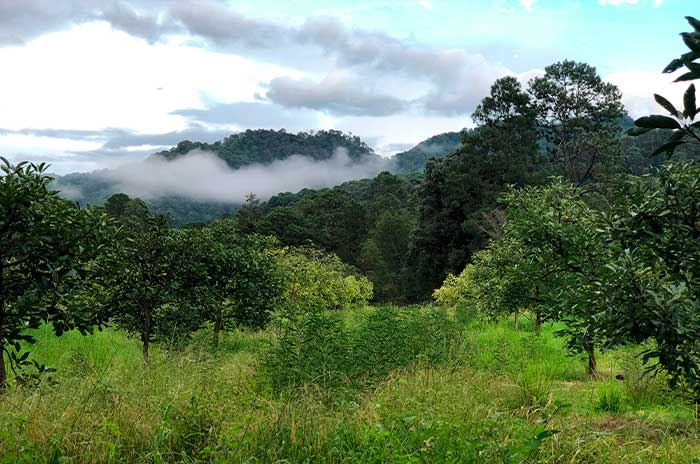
(489, 395)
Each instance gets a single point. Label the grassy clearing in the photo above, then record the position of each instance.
(495, 395)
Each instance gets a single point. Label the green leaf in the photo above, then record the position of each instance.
(666, 104)
(689, 76)
(673, 66)
(657, 122)
(691, 42)
(693, 22)
(689, 102)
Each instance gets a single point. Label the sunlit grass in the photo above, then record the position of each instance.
(203, 404)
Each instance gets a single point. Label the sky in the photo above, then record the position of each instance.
(93, 84)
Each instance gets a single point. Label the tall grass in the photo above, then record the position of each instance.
(405, 385)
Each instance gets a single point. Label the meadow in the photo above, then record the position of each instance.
(418, 384)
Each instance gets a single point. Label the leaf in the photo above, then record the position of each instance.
(691, 42)
(669, 147)
(689, 102)
(673, 66)
(657, 122)
(689, 76)
(666, 104)
(693, 22)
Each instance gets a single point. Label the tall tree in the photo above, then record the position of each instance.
(462, 188)
(578, 116)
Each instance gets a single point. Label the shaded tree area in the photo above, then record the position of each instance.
(367, 223)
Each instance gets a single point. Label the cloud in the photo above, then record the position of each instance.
(638, 88)
(203, 176)
(657, 3)
(337, 93)
(527, 4)
(457, 79)
(251, 115)
(425, 4)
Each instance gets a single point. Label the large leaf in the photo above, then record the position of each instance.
(666, 104)
(691, 42)
(693, 22)
(657, 122)
(689, 76)
(689, 102)
(680, 62)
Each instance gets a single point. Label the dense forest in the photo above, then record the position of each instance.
(524, 291)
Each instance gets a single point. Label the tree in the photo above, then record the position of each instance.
(384, 254)
(460, 190)
(653, 275)
(145, 280)
(318, 282)
(578, 116)
(249, 215)
(46, 247)
(234, 278)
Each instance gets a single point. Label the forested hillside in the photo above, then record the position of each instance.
(415, 159)
(265, 146)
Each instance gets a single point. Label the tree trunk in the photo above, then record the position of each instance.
(217, 328)
(146, 333)
(3, 370)
(517, 320)
(592, 365)
(538, 322)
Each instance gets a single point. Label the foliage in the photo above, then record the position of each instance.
(233, 278)
(318, 282)
(319, 350)
(47, 245)
(144, 282)
(681, 123)
(565, 123)
(437, 146)
(578, 119)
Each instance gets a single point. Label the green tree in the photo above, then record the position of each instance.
(578, 116)
(462, 189)
(384, 256)
(145, 280)
(234, 278)
(318, 281)
(46, 248)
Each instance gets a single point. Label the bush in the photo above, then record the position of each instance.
(320, 350)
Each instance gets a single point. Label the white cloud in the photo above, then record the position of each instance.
(527, 4)
(425, 4)
(657, 3)
(638, 89)
(92, 77)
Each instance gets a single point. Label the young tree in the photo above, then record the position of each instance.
(46, 245)
(233, 278)
(144, 279)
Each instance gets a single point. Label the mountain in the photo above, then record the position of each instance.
(265, 146)
(414, 160)
(252, 147)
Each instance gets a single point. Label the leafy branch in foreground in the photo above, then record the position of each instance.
(682, 122)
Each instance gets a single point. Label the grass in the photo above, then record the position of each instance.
(499, 396)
